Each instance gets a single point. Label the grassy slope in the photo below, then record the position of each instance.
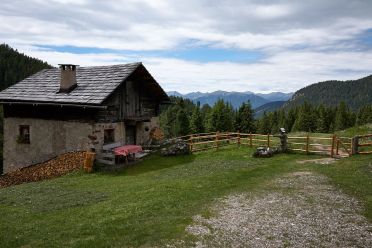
(148, 203)
(350, 132)
(358, 130)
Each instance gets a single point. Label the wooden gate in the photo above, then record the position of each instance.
(363, 144)
(343, 146)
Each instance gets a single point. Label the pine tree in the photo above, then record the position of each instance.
(274, 120)
(323, 121)
(182, 123)
(196, 121)
(291, 118)
(205, 112)
(306, 119)
(221, 117)
(343, 117)
(364, 115)
(264, 126)
(244, 120)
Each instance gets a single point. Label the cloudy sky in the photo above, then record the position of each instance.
(201, 45)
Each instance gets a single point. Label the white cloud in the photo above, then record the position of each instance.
(325, 31)
(285, 71)
(271, 11)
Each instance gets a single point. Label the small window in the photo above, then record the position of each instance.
(24, 134)
(109, 136)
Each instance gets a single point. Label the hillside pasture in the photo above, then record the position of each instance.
(154, 202)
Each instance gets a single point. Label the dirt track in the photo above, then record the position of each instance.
(298, 210)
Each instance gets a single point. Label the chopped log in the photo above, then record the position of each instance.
(56, 167)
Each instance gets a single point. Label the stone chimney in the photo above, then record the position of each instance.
(68, 78)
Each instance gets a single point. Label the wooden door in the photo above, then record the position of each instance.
(130, 135)
(132, 99)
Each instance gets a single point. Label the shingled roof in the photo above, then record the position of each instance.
(94, 85)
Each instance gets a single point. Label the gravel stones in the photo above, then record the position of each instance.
(298, 210)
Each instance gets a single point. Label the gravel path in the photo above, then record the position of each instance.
(298, 210)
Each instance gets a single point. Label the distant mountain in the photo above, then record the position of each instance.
(276, 96)
(355, 93)
(174, 93)
(195, 95)
(268, 107)
(235, 98)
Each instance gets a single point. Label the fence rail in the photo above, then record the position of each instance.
(332, 146)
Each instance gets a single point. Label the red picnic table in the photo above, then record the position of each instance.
(127, 150)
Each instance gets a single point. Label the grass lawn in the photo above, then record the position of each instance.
(153, 201)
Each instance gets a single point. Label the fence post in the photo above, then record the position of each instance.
(307, 143)
(217, 139)
(250, 139)
(355, 145)
(190, 142)
(333, 146)
(238, 138)
(268, 140)
(337, 145)
(351, 146)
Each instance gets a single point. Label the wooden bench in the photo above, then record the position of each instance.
(107, 155)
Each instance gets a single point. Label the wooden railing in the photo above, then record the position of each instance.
(311, 144)
(332, 146)
(200, 142)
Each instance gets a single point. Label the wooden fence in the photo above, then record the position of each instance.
(363, 144)
(206, 141)
(332, 145)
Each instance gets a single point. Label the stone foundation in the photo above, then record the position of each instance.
(48, 139)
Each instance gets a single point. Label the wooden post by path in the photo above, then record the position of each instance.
(250, 139)
(307, 143)
(351, 145)
(268, 140)
(333, 146)
(355, 145)
(337, 145)
(238, 138)
(217, 133)
(190, 142)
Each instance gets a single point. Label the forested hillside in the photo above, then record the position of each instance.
(355, 93)
(268, 107)
(184, 117)
(15, 66)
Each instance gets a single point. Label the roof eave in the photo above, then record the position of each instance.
(53, 104)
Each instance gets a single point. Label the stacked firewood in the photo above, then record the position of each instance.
(58, 166)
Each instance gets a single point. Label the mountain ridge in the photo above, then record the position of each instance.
(355, 93)
(233, 97)
(268, 107)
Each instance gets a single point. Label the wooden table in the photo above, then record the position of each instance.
(127, 150)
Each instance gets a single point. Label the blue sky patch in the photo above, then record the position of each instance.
(366, 38)
(199, 54)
